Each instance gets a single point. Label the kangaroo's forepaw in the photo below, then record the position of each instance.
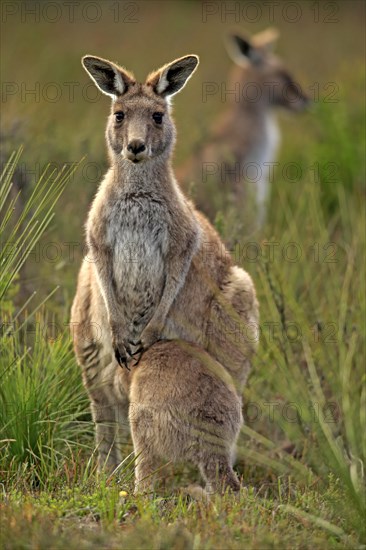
(120, 355)
(136, 354)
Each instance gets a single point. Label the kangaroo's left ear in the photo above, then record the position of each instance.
(171, 78)
(266, 39)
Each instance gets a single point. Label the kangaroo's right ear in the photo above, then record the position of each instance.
(109, 78)
(241, 50)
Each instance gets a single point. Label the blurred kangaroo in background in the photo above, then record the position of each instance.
(236, 162)
(156, 269)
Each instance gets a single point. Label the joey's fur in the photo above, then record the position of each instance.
(184, 406)
(156, 269)
(235, 164)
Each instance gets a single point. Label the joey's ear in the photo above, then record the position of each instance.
(241, 50)
(171, 78)
(109, 78)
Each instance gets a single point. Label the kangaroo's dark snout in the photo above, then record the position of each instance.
(136, 146)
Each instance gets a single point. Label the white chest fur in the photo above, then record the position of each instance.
(260, 164)
(272, 139)
(138, 236)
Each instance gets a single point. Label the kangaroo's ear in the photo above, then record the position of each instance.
(266, 39)
(171, 78)
(109, 78)
(241, 50)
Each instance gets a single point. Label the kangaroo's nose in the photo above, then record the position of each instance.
(136, 146)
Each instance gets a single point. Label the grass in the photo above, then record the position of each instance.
(42, 409)
(41, 397)
(301, 455)
(91, 517)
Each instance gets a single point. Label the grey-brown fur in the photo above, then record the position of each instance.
(184, 407)
(236, 161)
(156, 269)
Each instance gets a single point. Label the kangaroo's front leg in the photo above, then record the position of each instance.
(178, 263)
(103, 258)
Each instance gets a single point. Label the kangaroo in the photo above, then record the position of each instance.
(156, 269)
(184, 406)
(236, 162)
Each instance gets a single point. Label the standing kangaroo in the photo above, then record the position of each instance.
(156, 269)
(236, 162)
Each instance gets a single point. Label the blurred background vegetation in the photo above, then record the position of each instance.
(305, 402)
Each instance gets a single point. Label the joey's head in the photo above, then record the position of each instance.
(265, 78)
(140, 126)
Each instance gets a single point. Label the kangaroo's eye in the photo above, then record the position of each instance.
(158, 117)
(119, 116)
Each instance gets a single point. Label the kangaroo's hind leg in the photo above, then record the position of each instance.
(142, 430)
(99, 369)
(233, 328)
(218, 473)
(98, 381)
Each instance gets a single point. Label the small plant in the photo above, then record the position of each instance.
(42, 403)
